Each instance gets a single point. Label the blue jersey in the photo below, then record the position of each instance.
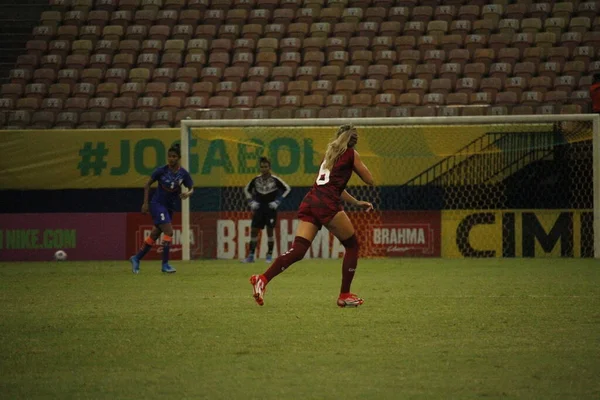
(169, 185)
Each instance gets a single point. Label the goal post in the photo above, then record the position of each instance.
(489, 186)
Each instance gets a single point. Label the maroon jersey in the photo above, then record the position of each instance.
(323, 200)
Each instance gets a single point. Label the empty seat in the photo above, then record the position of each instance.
(162, 119)
(138, 119)
(434, 99)
(516, 84)
(522, 110)
(386, 100)
(76, 104)
(467, 85)
(450, 71)
(531, 98)
(556, 97)
(370, 86)
(90, 120)
(481, 99)
(368, 30)
(337, 101)
(346, 87)
(195, 102)
(321, 88)
(525, 70)
(540, 84)
(66, 120)
(283, 74)
(393, 86)
(564, 83)
(290, 102)
(456, 99)
(506, 99)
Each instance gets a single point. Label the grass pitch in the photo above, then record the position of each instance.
(429, 329)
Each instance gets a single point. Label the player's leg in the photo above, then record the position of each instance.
(258, 223)
(156, 210)
(253, 241)
(270, 236)
(167, 239)
(342, 228)
(148, 243)
(305, 233)
(146, 247)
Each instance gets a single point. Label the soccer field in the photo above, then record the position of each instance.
(429, 329)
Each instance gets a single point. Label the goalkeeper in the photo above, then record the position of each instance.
(264, 193)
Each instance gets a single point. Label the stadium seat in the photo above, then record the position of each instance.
(321, 88)
(467, 85)
(280, 53)
(516, 84)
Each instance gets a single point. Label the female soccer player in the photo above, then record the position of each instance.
(264, 193)
(170, 179)
(322, 206)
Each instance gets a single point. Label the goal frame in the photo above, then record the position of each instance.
(186, 126)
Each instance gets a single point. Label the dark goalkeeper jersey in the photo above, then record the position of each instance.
(265, 189)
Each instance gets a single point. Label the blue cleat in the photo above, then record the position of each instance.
(249, 259)
(166, 268)
(269, 258)
(135, 265)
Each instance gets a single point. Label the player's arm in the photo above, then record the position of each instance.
(361, 170)
(254, 205)
(189, 185)
(149, 183)
(348, 198)
(283, 188)
(248, 189)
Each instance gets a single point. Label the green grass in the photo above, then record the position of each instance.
(429, 329)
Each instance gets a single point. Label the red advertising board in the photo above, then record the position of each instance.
(84, 236)
(407, 234)
(116, 236)
(381, 234)
(139, 227)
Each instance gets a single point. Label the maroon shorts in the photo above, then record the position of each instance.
(318, 215)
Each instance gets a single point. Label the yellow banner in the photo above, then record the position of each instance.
(394, 154)
(517, 233)
(80, 159)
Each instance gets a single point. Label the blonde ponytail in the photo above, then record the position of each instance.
(338, 146)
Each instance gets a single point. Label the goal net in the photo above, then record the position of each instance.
(516, 186)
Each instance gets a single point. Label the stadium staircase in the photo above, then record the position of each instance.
(17, 20)
(490, 159)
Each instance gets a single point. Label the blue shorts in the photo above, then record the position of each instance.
(160, 214)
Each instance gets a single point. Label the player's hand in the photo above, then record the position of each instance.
(185, 195)
(254, 205)
(145, 208)
(365, 205)
(273, 205)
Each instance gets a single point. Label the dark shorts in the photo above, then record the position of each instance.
(262, 218)
(318, 215)
(160, 214)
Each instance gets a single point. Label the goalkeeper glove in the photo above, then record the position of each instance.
(254, 205)
(274, 204)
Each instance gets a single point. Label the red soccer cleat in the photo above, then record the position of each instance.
(349, 300)
(259, 287)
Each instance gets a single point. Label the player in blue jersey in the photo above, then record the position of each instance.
(170, 178)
